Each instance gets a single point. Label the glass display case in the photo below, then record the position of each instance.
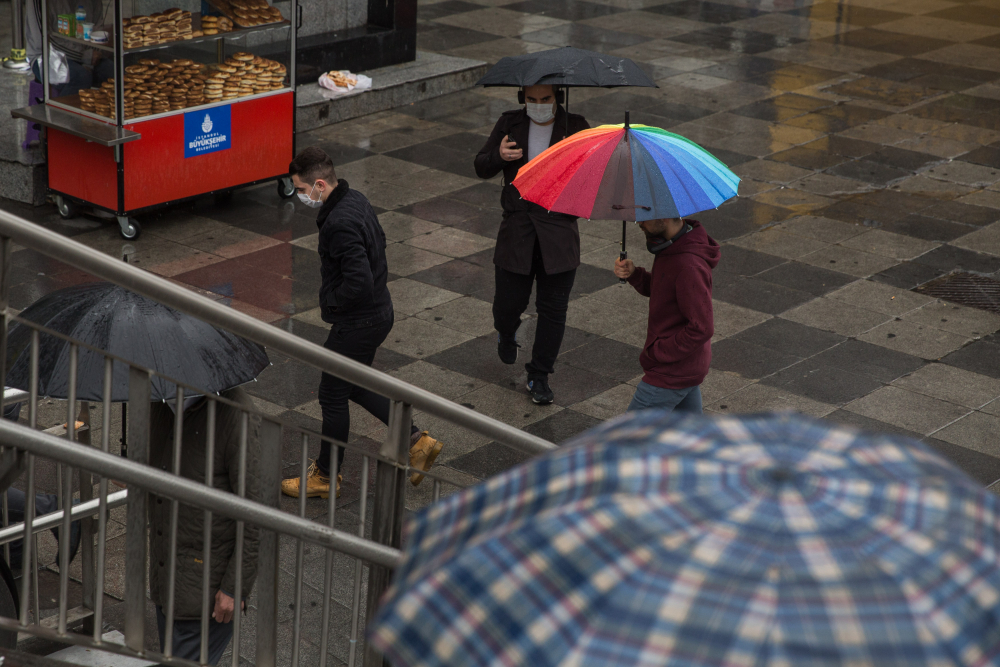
(185, 101)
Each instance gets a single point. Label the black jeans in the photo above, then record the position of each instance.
(17, 503)
(359, 344)
(513, 291)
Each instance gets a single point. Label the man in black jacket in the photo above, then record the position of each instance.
(533, 245)
(355, 301)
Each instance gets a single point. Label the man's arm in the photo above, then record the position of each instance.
(347, 248)
(488, 162)
(641, 280)
(694, 299)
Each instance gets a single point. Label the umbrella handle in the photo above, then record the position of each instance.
(623, 254)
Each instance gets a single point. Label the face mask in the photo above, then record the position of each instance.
(308, 200)
(540, 113)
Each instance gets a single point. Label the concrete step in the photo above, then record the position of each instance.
(81, 655)
(430, 75)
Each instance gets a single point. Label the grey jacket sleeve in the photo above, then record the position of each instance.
(251, 533)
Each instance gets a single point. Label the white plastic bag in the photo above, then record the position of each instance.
(329, 87)
(58, 67)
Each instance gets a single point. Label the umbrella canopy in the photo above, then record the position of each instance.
(566, 66)
(633, 172)
(663, 540)
(122, 323)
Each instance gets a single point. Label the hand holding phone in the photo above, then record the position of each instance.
(509, 150)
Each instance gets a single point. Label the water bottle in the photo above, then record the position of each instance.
(81, 18)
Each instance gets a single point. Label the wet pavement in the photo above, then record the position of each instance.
(867, 135)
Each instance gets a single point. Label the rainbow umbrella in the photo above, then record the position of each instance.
(633, 172)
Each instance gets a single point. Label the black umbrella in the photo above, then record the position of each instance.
(566, 66)
(134, 328)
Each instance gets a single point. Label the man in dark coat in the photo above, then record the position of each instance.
(533, 245)
(355, 301)
(186, 640)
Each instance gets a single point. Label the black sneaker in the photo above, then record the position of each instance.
(540, 392)
(507, 349)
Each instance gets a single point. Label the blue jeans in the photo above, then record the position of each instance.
(648, 397)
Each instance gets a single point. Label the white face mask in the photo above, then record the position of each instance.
(541, 113)
(308, 200)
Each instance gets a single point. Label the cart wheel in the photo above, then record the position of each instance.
(67, 209)
(285, 188)
(129, 229)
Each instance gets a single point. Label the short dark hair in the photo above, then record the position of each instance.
(311, 164)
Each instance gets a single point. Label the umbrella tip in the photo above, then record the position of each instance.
(626, 120)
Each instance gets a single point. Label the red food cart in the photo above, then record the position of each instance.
(191, 111)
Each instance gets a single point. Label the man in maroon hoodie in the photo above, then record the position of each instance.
(678, 346)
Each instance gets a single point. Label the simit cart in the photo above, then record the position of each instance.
(198, 105)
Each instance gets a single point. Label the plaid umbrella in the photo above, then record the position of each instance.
(689, 540)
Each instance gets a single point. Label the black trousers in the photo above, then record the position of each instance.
(513, 291)
(359, 344)
(17, 503)
(186, 642)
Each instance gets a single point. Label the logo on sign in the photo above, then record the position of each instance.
(207, 131)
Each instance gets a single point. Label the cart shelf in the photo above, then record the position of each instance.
(235, 33)
(71, 104)
(91, 129)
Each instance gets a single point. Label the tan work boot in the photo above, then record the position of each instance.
(317, 484)
(422, 455)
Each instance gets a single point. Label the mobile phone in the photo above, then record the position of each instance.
(511, 140)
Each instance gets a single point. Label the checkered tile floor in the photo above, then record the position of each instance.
(868, 138)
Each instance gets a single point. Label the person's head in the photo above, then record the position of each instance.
(313, 176)
(661, 228)
(540, 100)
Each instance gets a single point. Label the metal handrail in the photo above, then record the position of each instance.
(186, 301)
(15, 531)
(14, 396)
(193, 493)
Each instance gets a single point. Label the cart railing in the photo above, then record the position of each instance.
(373, 541)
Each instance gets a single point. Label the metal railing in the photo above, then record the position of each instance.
(20, 445)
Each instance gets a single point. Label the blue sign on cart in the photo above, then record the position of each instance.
(207, 131)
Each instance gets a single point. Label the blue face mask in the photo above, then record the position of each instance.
(308, 200)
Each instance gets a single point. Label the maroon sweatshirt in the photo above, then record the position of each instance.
(678, 346)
